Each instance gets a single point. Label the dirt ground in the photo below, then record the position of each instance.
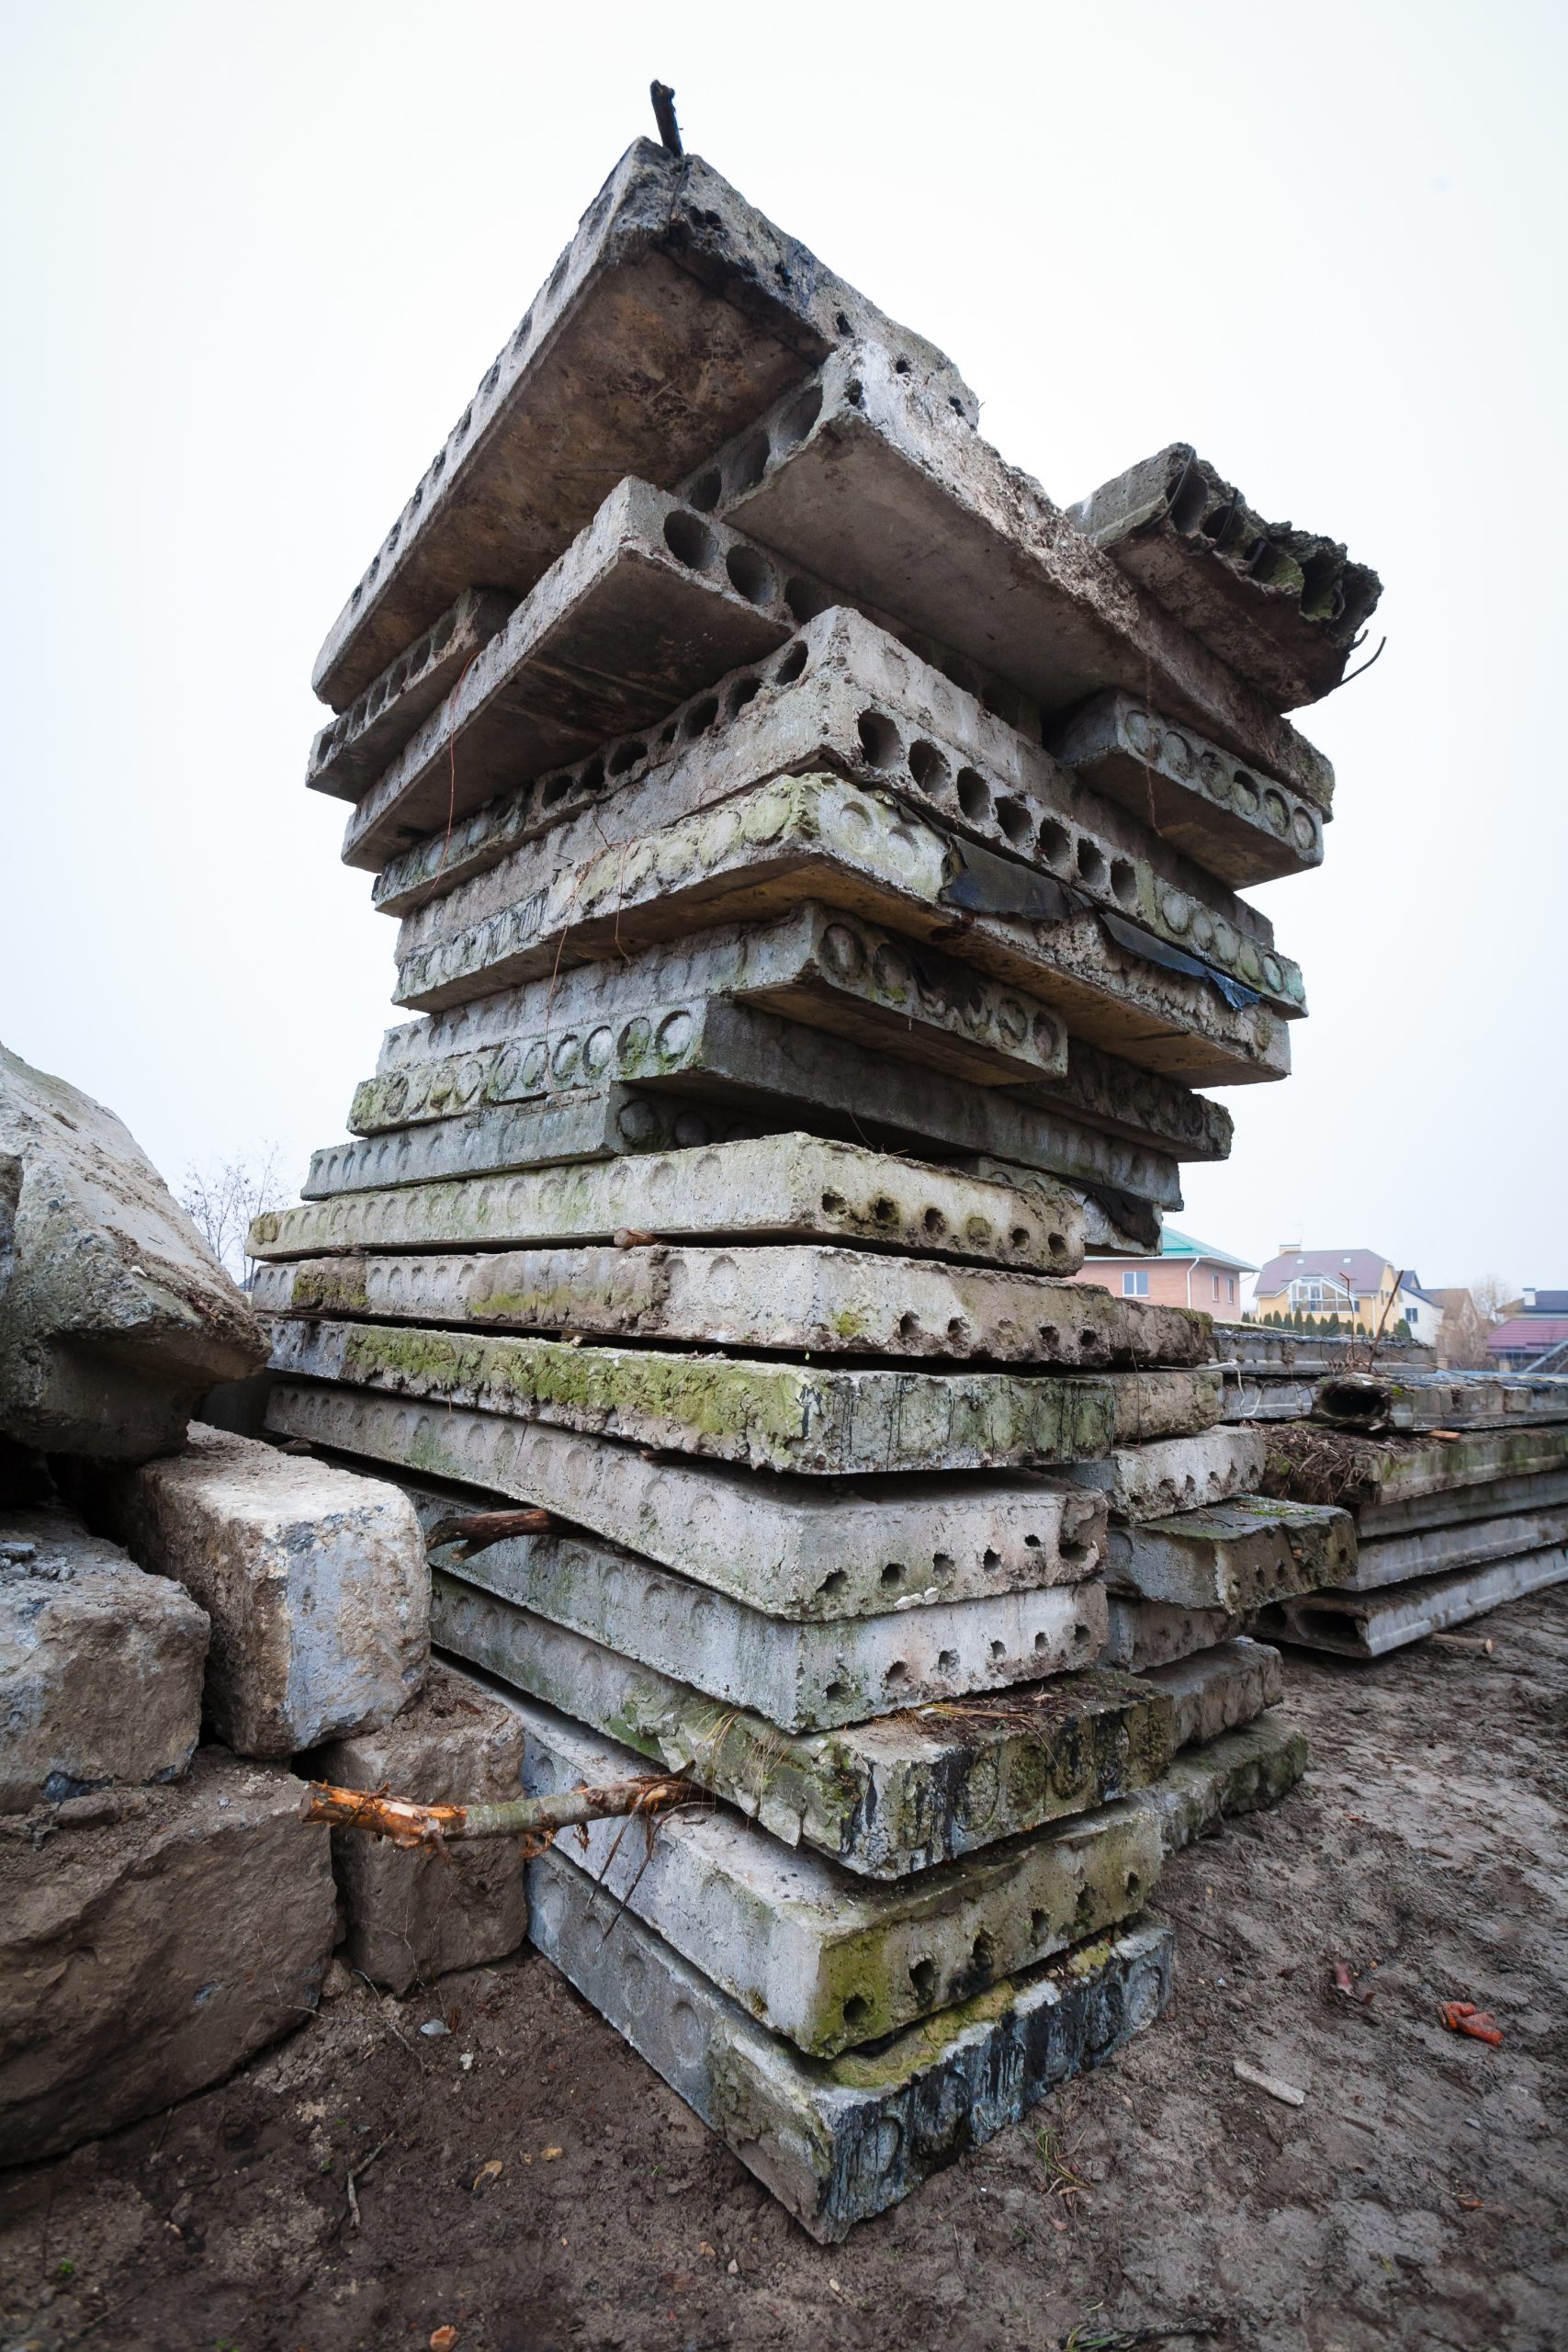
(534, 2187)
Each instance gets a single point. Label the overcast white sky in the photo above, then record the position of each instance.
(259, 257)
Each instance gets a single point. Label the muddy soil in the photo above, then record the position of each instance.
(525, 2181)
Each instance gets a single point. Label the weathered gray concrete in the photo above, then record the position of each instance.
(816, 836)
(593, 1022)
(649, 603)
(793, 1547)
(1368, 1625)
(830, 1420)
(1440, 1551)
(1389, 1482)
(1114, 1221)
(842, 697)
(1173, 1473)
(672, 278)
(1416, 1401)
(1282, 608)
(804, 1298)
(1206, 802)
(151, 1949)
(846, 696)
(349, 752)
(837, 2140)
(1454, 1507)
(594, 1122)
(314, 1579)
(767, 1188)
(745, 1068)
(1235, 1555)
(100, 1664)
(412, 1917)
(1239, 1772)
(827, 1960)
(117, 1318)
(639, 1019)
(800, 1676)
(1220, 1689)
(1268, 1397)
(1143, 1634)
(892, 498)
(1273, 1349)
(890, 1795)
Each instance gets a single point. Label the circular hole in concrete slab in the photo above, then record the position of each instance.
(1055, 843)
(1124, 882)
(1090, 863)
(880, 739)
(974, 796)
(701, 717)
(923, 1977)
(990, 1558)
(947, 1661)
(689, 539)
(751, 575)
(790, 667)
(749, 465)
(706, 490)
(798, 419)
(928, 768)
(892, 1575)
(1015, 821)
(802, 600)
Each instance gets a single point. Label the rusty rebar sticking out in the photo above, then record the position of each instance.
(663, 98)
(407, 1823)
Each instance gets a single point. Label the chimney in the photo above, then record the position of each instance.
(1289, 1248)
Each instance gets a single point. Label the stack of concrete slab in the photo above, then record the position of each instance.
(814, 860)
(1272, 1371)
(1458, 1485)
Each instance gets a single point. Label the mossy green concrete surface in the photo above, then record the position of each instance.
(883, 1798)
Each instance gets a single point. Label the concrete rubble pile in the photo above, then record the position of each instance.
(815, 864)
(1458, 1486)
(181, 1613)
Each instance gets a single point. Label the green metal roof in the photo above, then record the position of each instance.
(1181, 1245)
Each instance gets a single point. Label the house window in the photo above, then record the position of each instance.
(1135, 1283)
(1215, 1280)
(1230, 1286)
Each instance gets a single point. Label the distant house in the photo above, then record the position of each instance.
(1186, 1273)
(1536, 1326)
(1461, 1334)
(1366, 1292)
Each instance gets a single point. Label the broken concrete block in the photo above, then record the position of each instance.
(767, 1188)
(800, 1676)
(117, 1316)
(1410, 1402)
(1011, 581)
(1206, 802)
(830, 1419)
(792, 1547)
(673, 279)
(837, 2140)
(1368, 1625)
(412, 1917)
(1235, 1556)
(804, 1298)
(1240, 1772)
(1281, 608)
(100, 1664)
(315, 1581)
(1143, 1634)
(649, 603)
(1440, 1551)
(772, 845)
(743, 1070)
(596, 1122)
(638, 1018)
(1173, 1473)
(1220, 1689)
(147, 1956)
(1264, 1397)
(349, 752)
(1387, 1480)
(883, 1797)
(827, 1960)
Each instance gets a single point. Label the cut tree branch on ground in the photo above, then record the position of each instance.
(407, 1823)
